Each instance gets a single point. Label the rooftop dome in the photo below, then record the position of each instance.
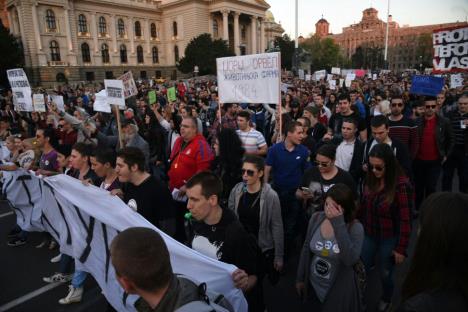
(269, 16)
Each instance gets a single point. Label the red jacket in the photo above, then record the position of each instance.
(195, 157)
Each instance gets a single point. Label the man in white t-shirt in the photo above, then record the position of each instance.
(252, 140)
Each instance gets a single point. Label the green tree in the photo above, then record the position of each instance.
(368, 56)
(202, 51)
(286, 47)
(323, 53)
(11, 53)
(424, 50)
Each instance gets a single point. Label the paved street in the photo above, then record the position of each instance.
(22, 288)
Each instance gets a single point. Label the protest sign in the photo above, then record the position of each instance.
(450, 49)
(85, 219)
(21, 89)
(301, 74)
(39, 103)
(284, 87)
(329, 77)
(308, 77)
(426, 85)
(350, 76)
(456, 81)
(171, 94)
(374, 76)
(58, 100)
(101, 104)
(115, 92)
(341, 82)
(348, 83)
(249, 78)
(335, 70)
(320, 74)
(359, 72)
(130, 88)
(152, 97)
(332, 84)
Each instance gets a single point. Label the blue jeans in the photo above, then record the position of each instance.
(79, 277)
(290, 214)
(383, 249)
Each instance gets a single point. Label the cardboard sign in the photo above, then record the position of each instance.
(115, 92)
(426, 85)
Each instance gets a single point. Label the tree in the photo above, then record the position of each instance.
(424, 50)
(11, 53)
(368, 56)
(323, 53)
(286, 47)
(202, 51)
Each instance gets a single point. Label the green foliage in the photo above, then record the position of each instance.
(323, 53)
(11, 53)
(424, 50)
(368, 56)
(286, 47)
(202, 51)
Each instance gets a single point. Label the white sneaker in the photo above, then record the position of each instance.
(74, 295)
(58, 278)
(56, 259)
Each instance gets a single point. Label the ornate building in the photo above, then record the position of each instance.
(87, 40)
(405, 45)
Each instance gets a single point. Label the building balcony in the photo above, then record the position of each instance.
(57, 63)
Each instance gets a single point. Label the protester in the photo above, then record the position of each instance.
(253, 141)
(402, 128)
(336, 119)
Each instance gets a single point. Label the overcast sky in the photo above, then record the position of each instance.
(341, 13)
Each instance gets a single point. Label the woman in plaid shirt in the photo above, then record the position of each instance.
(385, 215)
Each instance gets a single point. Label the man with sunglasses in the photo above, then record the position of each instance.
(436, 143)
(401, 127)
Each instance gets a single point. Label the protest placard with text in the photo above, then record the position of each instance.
(39, 103)
(115, 92)
(130, 88)
(21, 89)
(450, 49)
(101, 104)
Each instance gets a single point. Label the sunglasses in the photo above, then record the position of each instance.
(431, 106)
(322, 164)
(397, 104)
(376, 168)
(249, 172)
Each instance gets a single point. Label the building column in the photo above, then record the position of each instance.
(253, 26)
(113, 33)
(262, 36)
(147, 36)
(67, 29)
(236, 33)
(94, 32)
(225, 25)
(36, 27)
(131, 33)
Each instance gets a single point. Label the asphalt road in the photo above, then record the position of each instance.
(22, 288)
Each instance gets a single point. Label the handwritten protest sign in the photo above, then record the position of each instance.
(115, 92)
(130, 88)
(19, 83)
(249, 78)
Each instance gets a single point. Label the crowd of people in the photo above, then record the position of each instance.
(337, 176)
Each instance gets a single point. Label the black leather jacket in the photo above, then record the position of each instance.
(444, 134)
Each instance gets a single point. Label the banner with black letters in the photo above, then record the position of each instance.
(450, 49)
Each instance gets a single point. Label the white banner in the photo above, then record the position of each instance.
(100, 103)
(456, 81)
(130, 88)
(115, 92)
(58, 100)
(21, 89)
(250, 78)
(39, 103)
(85, 219)
(335, 70)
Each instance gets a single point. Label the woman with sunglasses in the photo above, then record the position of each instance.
(385, 215)
(317, 180)
(325, 276)
(258, 207)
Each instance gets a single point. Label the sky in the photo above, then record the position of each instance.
(341, 13)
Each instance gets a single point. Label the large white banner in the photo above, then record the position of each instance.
(250, 78)
(22, 95)
(115, 92)
(130, 88)
(85, 219)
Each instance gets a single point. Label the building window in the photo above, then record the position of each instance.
(85, 55)
(54, 51)
(105, 54)
(60, 77)
(174, 29)
(137, 29)
(143, 74)
(140, 58)
(82, 25)
(176, 54)
(50, 21)
(154, 33)
(158, 74)
(89, 76)
(123, 54)
(102, 26)
(215, 28)
(109, 75)
(155, 55)
(121, 27)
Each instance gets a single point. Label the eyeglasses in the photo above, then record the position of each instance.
(249, 172)
(431, 106)
(376, 168)
(323, 164)
(397, 104)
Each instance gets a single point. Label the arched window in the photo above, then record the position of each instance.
(176, 54)
(105, 53)
(50, 20)
(155, 55)
(85, 55)
(140, 58)
(215, 28)
(102, 26)
(123, 54)
(121, 27)
(82, 25)
(137, 29)
(154, 33)
(174, 28)
(60, 77)
(54, 51)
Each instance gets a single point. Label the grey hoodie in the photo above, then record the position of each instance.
(270, 233)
